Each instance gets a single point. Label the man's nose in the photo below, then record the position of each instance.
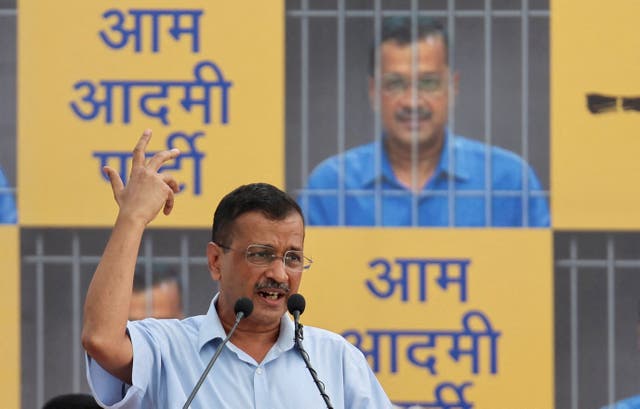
(411, 97)
(277, 270)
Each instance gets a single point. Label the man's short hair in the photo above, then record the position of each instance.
(272, 202)
(400, 30)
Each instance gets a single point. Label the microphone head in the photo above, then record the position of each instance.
(244, 306)
(296, 303)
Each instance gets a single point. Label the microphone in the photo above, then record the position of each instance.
(296, 305)
(243, 308)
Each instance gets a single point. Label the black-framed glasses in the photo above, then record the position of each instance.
(396, 85)
(261, 255)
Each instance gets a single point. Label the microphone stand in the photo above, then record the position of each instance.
(297, 339)
(243, 308)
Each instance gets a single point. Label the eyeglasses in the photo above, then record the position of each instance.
(261, 255)
(396, 85)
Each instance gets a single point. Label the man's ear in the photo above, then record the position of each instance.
(214, 260)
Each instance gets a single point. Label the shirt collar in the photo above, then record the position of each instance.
(287, 332)
(212, 329)
(451, 147)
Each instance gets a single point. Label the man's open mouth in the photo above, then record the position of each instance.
(270, 295)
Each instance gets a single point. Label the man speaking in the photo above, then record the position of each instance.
(257, 255)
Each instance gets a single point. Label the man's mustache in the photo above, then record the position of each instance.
(272, 284)
(407, 114)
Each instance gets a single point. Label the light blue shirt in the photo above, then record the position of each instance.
(170, 355)
(630, 403)
(8, 214)
(370, 193)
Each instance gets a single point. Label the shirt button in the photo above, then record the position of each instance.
(259, 371)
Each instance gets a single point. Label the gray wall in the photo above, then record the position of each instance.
(8, 90)
(597, 312)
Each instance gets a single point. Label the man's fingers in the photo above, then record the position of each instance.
(141, 146)
(161, 157)
(169, 180)
(156, 162)
(143, 172)
(168, 205)
(114, 178)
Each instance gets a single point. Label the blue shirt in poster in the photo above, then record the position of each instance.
(459, 194)
(629, 403)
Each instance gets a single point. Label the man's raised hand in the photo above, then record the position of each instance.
(147, 190)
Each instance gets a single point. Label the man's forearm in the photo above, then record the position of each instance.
(107, 303)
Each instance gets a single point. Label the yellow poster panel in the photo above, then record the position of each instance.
(595, 86)
(444, 317)
(10, 317)
(206, 76)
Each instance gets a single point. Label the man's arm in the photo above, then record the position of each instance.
(106, 307)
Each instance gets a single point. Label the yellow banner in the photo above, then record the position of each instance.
(10, 317)
(206, 76)
(595, 90)
(457, 317)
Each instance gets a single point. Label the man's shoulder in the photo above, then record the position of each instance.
(353, 155)
(357, 161)
(478, 149)
(3, 180)
(321, 335)
(169, 328)
(472, 156)
(629, 403)
(327, 339)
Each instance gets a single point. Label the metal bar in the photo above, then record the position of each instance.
(573, 301)
(631, 264)
(39, 323)
(61, 259)
(451, 191)
(611, 321)
(340, 112)
(377, 126)
(525, 112)
(76, 348)
(488, 125)
(414, 118)
(304, 99)
(405, 13)
(428, 193)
